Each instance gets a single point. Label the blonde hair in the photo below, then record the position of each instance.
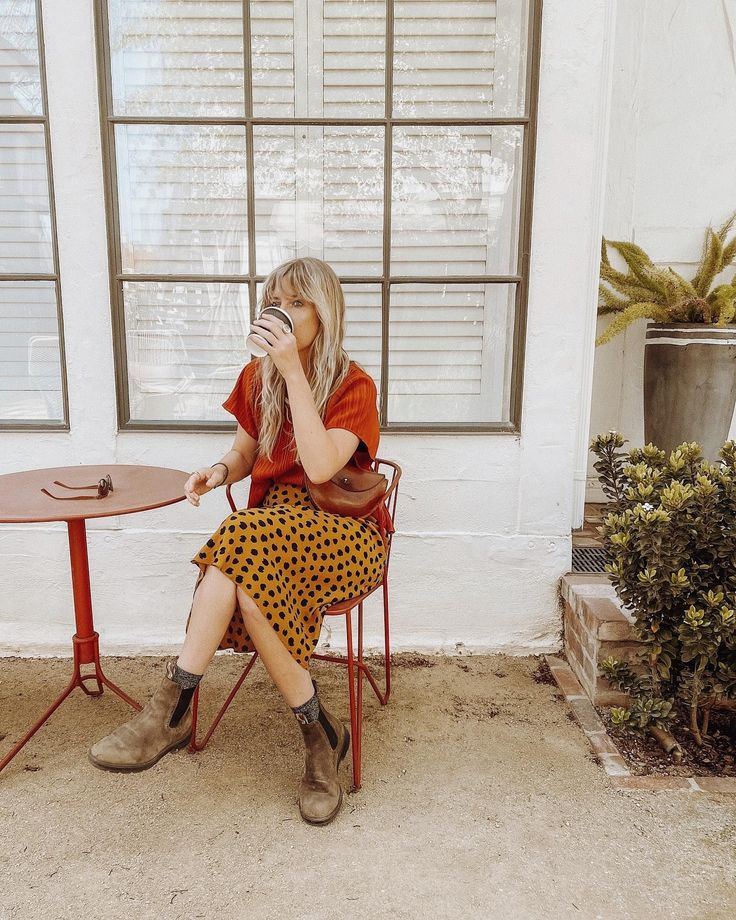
(328, 364)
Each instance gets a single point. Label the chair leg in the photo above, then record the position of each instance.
(361, 672)
(386, 643)
(381, 696)
(193, 745)
(356, 717)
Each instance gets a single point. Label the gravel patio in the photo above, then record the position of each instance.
(480, 798)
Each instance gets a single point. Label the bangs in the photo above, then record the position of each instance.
(288, 271)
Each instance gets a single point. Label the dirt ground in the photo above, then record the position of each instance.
(480, 798)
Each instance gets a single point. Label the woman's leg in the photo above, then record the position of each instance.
(292, 680)
(165, 722)
(212, 607)
(326, 738)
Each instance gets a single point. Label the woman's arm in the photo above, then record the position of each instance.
(239, 463)
(321, 452)
(240, 458)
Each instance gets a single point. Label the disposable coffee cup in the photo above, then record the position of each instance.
(253, 345)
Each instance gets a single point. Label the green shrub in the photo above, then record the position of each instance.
(670, 536)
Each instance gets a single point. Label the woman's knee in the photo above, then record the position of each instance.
(213, 573)
(248, 606)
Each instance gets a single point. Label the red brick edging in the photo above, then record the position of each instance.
(607, 752)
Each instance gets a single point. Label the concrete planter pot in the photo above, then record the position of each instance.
(689, 385)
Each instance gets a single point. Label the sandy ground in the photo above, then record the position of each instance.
(481, 798)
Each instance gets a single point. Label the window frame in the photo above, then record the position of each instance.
(527, 122)
(43, 119)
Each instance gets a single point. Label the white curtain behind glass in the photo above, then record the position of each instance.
(319, 190)
(30, 366)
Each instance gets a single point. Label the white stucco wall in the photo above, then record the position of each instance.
(670, 170)
(483, 523)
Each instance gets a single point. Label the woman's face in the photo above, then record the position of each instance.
(303, 314)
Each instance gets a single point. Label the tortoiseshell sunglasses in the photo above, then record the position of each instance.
(104, 487)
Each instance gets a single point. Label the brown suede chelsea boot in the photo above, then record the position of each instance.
(142, 741)
(320, 792)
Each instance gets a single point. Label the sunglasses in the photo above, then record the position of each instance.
(104, 487)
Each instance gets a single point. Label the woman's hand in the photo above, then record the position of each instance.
(202, 481)
(280, 345)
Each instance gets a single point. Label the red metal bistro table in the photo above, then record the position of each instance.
(134, 488)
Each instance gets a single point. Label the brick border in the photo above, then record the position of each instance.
(595, 626)
(609, 755)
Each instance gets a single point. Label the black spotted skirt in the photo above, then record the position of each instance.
(293, 560)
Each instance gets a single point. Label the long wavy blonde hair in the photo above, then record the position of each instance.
(328, 364)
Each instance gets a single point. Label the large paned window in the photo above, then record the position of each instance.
(32, 379)
(392, 139)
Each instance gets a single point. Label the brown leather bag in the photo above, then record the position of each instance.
(351, 491)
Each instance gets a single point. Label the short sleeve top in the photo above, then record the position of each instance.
(352, 406)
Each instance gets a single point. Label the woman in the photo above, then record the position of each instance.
(267, 573)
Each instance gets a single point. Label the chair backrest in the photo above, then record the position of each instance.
(392, 492)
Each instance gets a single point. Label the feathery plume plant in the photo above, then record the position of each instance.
(662, 294)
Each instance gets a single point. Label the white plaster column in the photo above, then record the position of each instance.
(597, 205)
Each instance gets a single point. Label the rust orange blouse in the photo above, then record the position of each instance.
(351, 406)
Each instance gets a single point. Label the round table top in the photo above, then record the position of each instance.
(135, 488)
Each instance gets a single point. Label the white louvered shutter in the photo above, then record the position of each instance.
(30, 366)
(319, 189)
(456, 193)
(181, 200)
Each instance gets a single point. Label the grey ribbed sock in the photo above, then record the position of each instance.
(188, 683)
(184, 678)
(309, 711)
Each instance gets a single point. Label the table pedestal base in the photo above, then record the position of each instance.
(85, 642)
(82, 647)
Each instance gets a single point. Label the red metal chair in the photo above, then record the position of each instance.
(356, 666)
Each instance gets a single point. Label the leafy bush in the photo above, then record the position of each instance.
(670, 534)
